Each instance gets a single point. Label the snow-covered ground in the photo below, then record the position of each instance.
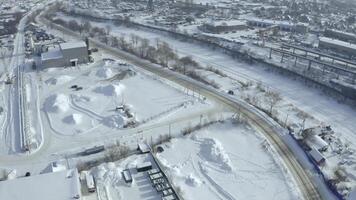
(299, 107)
(222, 161)
(125, 96)
(226, 161)
(305, 98)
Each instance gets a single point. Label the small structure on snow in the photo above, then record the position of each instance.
(143, 148)
(317, 156)
(144, 166)
(127, 175)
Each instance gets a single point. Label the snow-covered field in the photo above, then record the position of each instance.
(226, 161)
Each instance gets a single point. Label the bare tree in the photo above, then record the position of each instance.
(87, 26)
(115, 42)
(73, 25)
(151, 54)
(122, 42)
(108, 29)
(144, 44)
(272, 98)
(165, 53)
(187, 61)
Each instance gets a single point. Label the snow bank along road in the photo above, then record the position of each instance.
(15, 127)
(271, 130)
(15, 121)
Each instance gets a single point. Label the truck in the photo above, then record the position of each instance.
(90, 182)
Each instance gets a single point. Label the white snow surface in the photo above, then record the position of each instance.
(110, 89)
(59, 80)
(225, 161)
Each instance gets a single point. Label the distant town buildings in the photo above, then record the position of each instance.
(222, 28)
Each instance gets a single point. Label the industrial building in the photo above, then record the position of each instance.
(223, 27)
(282, 25)
(344, 36)
(338, 46)
(65, 55)
(55, 186)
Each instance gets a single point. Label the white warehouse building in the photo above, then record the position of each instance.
(67, 54)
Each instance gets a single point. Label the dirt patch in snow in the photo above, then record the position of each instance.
(110, 90)
(73, 119)
(104, 73)
(59, 80)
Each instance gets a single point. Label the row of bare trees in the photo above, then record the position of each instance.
(159, 53)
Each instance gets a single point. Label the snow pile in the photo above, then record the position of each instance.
(114, 121)
(73, 119)
(81, 98)
(107, 173)
(213, 151)
(57, 103)
(193, 181)
(59, 80)
(110, 90)
(104, 73)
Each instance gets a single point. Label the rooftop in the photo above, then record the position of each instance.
(73, 45)
(338, 42)
(52, 54)
(55, 186)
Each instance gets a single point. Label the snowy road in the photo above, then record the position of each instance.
(13, 127)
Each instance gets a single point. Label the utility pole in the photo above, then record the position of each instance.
(169, 133)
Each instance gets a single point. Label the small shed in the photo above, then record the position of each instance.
(143, 148)
(127, 175)
(144, 166)
(317, 156)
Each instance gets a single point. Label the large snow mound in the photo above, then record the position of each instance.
(110, 90)
(59, 80)
(104, 73)
(73, 119)
(57, 103)
(213, 151)
(193, 181)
